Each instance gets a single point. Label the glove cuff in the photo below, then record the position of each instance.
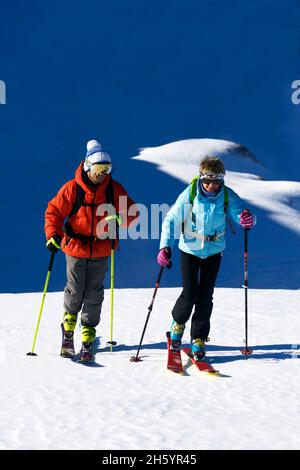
(53, 242)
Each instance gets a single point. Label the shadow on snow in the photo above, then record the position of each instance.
(274, 352)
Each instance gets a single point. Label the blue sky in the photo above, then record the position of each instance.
(134, 74)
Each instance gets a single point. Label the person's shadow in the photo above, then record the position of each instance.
(127, 347)
(274, 352)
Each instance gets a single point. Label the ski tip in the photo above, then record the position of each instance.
(214, 373)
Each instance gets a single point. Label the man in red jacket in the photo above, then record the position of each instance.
(87, 240)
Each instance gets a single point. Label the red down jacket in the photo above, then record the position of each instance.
(86, 221)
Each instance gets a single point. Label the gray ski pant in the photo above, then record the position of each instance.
(85, 288)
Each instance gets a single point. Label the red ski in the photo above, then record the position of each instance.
(202, 366)
(174, 358)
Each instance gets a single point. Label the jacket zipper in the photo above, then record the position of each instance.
(92, 232)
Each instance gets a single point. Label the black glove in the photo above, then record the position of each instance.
(53, 244)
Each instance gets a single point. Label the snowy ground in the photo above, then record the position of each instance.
(52, 403)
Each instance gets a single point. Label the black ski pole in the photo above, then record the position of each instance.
(246, 351)
(136, 357)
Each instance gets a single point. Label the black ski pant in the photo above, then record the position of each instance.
(198, 280)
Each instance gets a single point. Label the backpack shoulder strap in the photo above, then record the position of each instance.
(193, 192)
(225, 199)
(79, 200)
(193, 189)
(109, 192)
(80, 195)
(192, 195)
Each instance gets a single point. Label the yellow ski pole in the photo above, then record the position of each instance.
(112, 279)
(32, 353)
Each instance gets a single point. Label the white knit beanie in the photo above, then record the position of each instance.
(95, 154)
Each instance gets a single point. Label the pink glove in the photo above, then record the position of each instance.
(163, 257)
(247, 219)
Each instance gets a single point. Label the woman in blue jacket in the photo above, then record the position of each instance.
(198, 219)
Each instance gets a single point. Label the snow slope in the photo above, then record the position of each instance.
(245, 175)
(52, 403)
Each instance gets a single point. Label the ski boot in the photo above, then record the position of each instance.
(86, 353)
(198, 349)
(176, 333)
(67, 346)
(88, 334)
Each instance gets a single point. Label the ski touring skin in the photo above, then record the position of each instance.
(203, 365)
(174, 362)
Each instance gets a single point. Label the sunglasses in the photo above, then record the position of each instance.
(101, 168)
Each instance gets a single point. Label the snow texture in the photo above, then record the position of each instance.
(49, 402)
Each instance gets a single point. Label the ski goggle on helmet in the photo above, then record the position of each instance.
(209, 178)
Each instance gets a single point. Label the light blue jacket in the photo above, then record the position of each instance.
(206, 219)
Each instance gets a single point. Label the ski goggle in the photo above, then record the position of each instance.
(212, 179)
(101, 168)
